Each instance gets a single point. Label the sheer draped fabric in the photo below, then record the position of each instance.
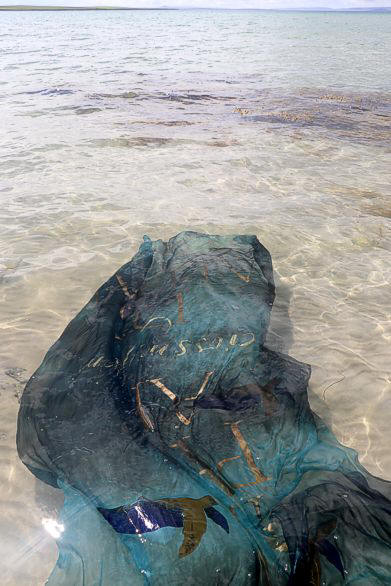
(186, 449)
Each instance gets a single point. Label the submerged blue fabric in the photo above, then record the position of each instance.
(186, 449)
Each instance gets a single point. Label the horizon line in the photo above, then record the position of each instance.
(49, 7)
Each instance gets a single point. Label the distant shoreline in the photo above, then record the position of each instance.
(43, 8)
(67, 8)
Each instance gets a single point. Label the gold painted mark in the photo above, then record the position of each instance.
(180, 307)
(127, 354)
(158, 383)
(249, 342)
(205, 469)
(242, 276)
(154, 319)
(123, 287)
(201, 349)
(206, 274)
(259, 476)
(255, 502)
(217, 481)
(194, 520)
(233, 340)
(232, 510)
(182, 418)
(245, 278)
(182, 347)
(143, 412)
(222, 462)
(202, 387)
(161, 351)
(96, 362)
(220, 341)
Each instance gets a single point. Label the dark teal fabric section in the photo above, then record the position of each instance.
(186, 449)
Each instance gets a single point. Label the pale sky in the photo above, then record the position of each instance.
(212, 3)
(260, 3)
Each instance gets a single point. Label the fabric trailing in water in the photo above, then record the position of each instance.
(186, 449)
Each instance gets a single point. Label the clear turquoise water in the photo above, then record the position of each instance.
(123, 123)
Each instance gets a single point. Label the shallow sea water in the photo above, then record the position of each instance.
(120, 124)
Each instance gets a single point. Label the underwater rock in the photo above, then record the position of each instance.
(187, 450)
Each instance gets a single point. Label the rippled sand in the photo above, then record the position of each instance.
(120, 125)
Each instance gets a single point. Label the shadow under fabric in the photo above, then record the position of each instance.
(187, 451)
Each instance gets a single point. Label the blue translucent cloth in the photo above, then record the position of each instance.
(186, 450)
